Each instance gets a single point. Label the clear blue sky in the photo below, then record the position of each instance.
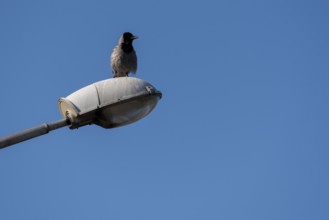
(242, 131)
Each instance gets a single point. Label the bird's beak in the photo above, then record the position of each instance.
(134, 37)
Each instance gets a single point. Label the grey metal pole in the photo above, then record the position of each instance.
(32, 132)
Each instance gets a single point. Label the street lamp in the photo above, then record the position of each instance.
(109, 103)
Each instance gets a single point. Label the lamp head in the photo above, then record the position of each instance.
(110, 103)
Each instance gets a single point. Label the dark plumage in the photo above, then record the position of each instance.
(123, 57)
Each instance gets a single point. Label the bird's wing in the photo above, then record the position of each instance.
(134, 62)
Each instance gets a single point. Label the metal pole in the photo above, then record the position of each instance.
(32, 132)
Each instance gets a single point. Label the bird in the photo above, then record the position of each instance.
(123, 57)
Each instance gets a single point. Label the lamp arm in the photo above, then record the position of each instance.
(32, 132)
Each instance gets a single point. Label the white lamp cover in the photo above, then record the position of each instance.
(110, 103)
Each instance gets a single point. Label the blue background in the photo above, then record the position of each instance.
(240, 133)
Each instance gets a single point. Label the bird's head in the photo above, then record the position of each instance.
(127, 38)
